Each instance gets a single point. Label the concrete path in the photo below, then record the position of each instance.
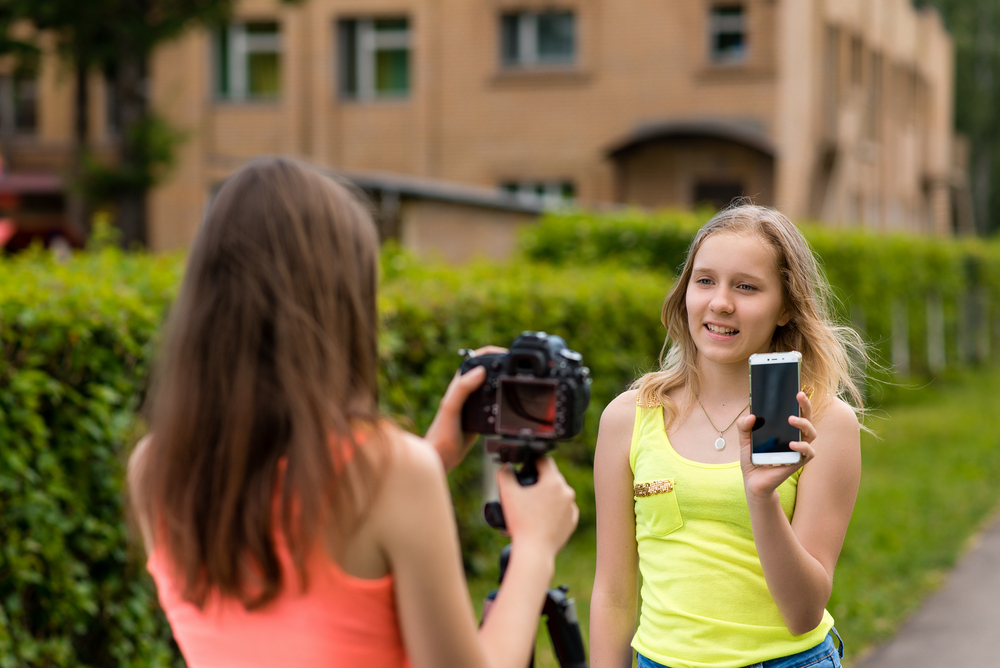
(959, 625)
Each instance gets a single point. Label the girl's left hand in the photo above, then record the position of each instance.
(762, 481)
(445, 432)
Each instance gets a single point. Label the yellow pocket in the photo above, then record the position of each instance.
(656, 509)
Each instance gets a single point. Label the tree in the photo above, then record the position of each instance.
(116, 37)
(973, 25)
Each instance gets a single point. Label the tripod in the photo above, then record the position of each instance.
(559, 610)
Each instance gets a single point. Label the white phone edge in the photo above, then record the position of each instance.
(775, 458)
(775, 358)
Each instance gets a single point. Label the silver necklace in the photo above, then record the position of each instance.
(720, 443)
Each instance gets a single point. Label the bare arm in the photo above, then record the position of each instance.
(613, 602)
(416, 529)
(799, 558)
(133, 476)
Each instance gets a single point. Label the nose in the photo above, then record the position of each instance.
(722, 301)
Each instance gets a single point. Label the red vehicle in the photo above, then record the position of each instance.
(32, 207)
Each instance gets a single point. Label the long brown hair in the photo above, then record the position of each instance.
(833, 355)
(269, 355)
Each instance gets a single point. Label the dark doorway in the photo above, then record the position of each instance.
(717, 195)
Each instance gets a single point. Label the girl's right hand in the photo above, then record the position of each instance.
(544, 514)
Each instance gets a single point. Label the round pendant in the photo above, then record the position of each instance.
(720, 443)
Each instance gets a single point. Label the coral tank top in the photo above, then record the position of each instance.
(340, 620)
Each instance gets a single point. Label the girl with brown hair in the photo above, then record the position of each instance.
(736, 560)
(286, 521)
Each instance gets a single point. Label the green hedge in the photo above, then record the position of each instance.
(611, 317)
(875, 276)
(74, 358)
(77, 340)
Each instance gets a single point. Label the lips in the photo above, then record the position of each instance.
(721, 330)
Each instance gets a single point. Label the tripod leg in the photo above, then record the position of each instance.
(564, 629)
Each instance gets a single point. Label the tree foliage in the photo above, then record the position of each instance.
(974, 26)
(115, 37)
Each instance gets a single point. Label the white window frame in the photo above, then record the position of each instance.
(240, 46)
(726, 24)
(368, 43)
(528, 38)
(9, 105)
(548, 194)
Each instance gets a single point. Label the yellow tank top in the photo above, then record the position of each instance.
(704, 598)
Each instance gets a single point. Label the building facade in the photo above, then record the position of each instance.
(831, 110)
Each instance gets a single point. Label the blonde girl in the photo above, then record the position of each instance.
(736, 561)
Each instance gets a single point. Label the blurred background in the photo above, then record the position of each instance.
(532, 164)
(474, 116)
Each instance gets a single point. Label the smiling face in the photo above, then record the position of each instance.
(734, 298)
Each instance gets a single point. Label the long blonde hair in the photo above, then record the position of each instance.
(833, 355)
(268, 363)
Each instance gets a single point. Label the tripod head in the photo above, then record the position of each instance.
(515, 451)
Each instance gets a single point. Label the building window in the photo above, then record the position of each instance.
(248, 61)
(857, 61)
(112, 115)
(727, 34)
(18, 103)
(529, 39)
(374, 58)
(550, 194)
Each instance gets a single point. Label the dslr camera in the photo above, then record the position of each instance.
(538, 391)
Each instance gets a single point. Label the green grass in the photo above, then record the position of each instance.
(928, 487)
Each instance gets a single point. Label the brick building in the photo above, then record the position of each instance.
(835, 110)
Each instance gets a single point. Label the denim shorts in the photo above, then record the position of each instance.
(827, 654)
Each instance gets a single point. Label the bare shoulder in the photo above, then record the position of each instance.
(617, 422)
(620, 413)
(413, 460)
(838, 418)
(838, 440)
(134, 474)
(139, 453)
(137, 462)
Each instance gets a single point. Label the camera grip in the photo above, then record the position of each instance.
(526, 475)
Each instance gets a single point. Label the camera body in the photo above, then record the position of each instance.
(540, 389)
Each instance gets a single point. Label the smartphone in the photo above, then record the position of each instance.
(775, 379)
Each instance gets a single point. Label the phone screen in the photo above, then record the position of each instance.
(527, 407)
(773, 387)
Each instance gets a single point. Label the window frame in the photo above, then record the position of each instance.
(528, 32)
(11, 102)
(719, 24)
(548, 193)
(367, 42)
(232, 71)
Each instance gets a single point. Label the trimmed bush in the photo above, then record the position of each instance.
(75, 349)
(78, 338)
(77, 344)
(927, 304)
(611, 317)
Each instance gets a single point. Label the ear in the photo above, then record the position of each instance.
(784, 318)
